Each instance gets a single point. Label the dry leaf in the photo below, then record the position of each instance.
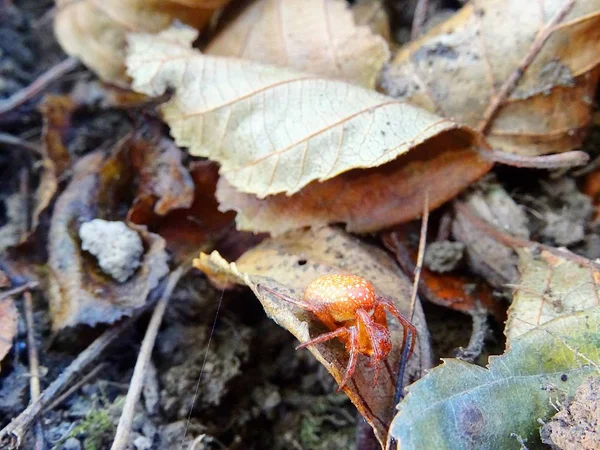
(312, 36)
(591, 188)
(365, 200)
(459, 292)
(200, 225)
(57, 112)
(163, 182)
(79, 292)
(94, 31)
(272, 130)
(15, 226)
(577, 424)
(9, 317)
(458, 68)
(372, 13)
(550, 286)
(488, 257)
(289, 263)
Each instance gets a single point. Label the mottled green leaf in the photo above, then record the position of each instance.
(463, 406)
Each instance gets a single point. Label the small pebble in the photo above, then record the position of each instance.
(117, 247)
(71, 444)
(142, 443)
(443, 256)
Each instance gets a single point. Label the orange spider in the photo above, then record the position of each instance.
(350, 308)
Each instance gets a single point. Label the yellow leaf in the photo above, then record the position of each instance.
(94, 31)
(274, 130)
(313, 36)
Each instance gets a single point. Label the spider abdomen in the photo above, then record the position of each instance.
(341, 295)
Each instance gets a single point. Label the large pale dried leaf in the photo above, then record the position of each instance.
(94, 31)
(289, 263)
(9, 317)
(79, 292)
(273, 130)
(463, 406)
(457, 69)
(365, 200)
(313, 36)
(372, 13)
(550, 286)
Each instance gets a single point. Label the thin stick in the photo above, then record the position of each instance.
(34, 366)
(18, 290)
(413, 298)
(139, 372)
(90, 375)
(9, 139)
(40, 83)
(419, 19)
(558, 161)
(11, 436)
(420, 256)
(511, 82)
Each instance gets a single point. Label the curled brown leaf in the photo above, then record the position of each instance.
(79, 292)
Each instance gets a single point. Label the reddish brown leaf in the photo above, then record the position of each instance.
(79, 292)
(459, 292)
(200, 226)
(289, 263)
(9, 317)
(365, 200)
(592, 189)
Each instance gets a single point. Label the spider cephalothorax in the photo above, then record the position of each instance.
(349, 307)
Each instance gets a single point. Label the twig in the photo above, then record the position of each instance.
(139, 372)
(18, 290)
(511, 82)
(9, 139)
(420, 256)
(11, 436)
(413, 298)
(40, 83)
(557, 161)
(91, 374)
(419, 18)
(34, 366)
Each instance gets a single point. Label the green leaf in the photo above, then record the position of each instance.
(463, 406)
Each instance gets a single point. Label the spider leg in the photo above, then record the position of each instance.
(407, 326)
(301, 303)
(324, 337)
(371, 329)
(354, 350)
